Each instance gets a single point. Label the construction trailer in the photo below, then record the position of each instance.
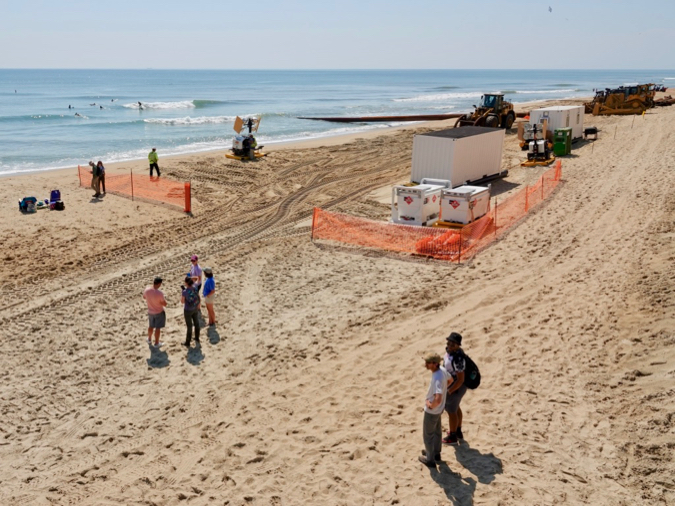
(461, 155)
(561, 116)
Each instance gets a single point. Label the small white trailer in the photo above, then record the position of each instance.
(461, 155)
(561, 116)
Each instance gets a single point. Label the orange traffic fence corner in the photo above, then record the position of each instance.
(152, 189)
(441, 243)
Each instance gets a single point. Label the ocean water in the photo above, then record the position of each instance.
(187, 111)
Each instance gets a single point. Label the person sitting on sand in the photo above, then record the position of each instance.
(433, 410)
(154, 297)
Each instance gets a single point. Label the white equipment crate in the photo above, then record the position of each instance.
(560, 116)
(416, 205)
(464, 204)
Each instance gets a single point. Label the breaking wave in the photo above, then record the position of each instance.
(187, 120)
(185, 104)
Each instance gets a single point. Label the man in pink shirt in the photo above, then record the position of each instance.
(156, 315)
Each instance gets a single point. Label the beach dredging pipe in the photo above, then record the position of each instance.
(382, 119)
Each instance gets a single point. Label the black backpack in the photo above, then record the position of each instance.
(471, 373)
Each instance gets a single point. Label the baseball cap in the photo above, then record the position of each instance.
(207, 270)
(194, 257)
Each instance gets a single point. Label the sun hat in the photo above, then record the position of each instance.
(454, 337)
(194, 257)
(433, 358)
(157, 280)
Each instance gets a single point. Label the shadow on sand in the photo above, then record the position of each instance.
(460, 490)
(195, 355)
(212, 334)
(158, 358)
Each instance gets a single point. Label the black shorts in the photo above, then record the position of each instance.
(452, 401)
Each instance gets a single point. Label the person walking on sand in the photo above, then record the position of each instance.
(195, 272)
(101, 175)
(191, 306)
(455, 365)
(209, 294)
(152, 158)
(154, 297)
(433, 410)
(95, 182)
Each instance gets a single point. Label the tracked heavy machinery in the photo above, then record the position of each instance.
(244, 144)
(493, 111)
(633, 99)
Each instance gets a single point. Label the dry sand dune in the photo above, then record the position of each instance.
(310, 389)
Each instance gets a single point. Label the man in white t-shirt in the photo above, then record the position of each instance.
(433, 409)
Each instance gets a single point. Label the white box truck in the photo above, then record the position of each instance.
(561, 116)
(462, 155)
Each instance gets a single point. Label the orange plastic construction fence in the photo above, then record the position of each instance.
(441, 243)
(154, 189)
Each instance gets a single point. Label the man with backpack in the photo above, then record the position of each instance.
(465, 376)
(191, 304)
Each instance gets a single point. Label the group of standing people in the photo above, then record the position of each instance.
(446, 389)
(190, 300)
(97, 178)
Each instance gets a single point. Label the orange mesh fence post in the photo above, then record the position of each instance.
(314, 215)
(188, 197)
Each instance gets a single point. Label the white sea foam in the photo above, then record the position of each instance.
(185, 104)
(545, 92)
(187, 120)
(440, 96)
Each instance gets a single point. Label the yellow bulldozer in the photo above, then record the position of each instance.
(493, 111)
(632, 99)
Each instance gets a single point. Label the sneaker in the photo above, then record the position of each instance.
(159, 344)
(187, 345)
(426, 462)
(459, 433)
(149, 341)
(451, 439)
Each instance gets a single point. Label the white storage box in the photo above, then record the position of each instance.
(561, 116)
(461, 155)
(416, 205)
(464, 204)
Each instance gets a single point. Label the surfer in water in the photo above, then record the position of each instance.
(140, 106)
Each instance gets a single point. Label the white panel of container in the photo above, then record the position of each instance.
(464, 204)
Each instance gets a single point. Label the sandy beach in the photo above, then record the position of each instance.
(311, 387)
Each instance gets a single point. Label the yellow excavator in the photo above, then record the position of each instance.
(493, 111)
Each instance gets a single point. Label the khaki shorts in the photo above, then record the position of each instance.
(209, 300)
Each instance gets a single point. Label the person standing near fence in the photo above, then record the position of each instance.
(101, 175)
(455, 364)
(154, 297)
(209, 294)
(153, 158)
(95, 183)
(191, 305)
(433, 410)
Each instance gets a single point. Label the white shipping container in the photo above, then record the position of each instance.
(461, 155)
(416, 205)
(561, 116)
(464, 204)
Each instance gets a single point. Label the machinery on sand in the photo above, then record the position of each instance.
(539, 150)
(493, 111)
(244, 144)
(630, 99)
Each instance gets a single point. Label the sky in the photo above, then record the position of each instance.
(342, 34)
